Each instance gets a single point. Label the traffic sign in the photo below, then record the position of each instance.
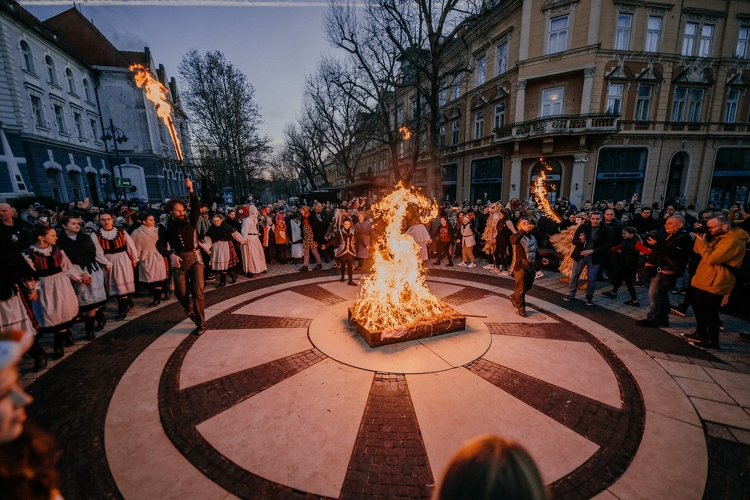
(123, 182)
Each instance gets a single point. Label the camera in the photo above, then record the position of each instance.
(699, 230)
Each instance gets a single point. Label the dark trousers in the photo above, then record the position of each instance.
(613, 267)
(626, 274)
(524, 280)
(347, 261)
(281, 253)
(189, 281)
(706, 306)
(503, 254)
(658, 294)
(444, 248)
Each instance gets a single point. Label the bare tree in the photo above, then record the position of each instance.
(285, 179)
(225, 120)
(305, 152)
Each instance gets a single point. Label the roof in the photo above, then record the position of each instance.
(139, 57)
(86, 39)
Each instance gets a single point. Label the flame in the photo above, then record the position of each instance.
(394, 296)
(541, 195)
(405, 132)
(157, 93)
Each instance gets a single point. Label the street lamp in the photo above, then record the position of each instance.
(117, 136)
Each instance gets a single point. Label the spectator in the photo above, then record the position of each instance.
(664, 265)
(346, 241)
(444, 238)
(722, 250)
(319, 222)
(612, 264)
(629, 250)
(490, 468)
(468, 240)
(643, 222)
(592, 241)
(12, 229)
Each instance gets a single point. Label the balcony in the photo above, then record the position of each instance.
(699, 127)
(559, 125)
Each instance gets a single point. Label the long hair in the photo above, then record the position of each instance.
(28, 466)
(489, 468)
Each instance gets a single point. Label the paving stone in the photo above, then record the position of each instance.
(684, 370)
(550, 331)
(704, 390)
(719, 431)
(740, 394)
(722, 413)
(727, 378)
(742, 435)
(728, 470)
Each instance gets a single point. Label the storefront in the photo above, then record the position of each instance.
(486, 179)
(553, 179)
(449, 178)
(731, 177)
(620, 172)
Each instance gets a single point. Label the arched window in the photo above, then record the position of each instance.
(55, 186)
(71, 81)
(50, 70)
(26, 58)
(86, 90)
(75, 184)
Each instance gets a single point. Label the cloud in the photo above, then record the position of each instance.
(188, 3)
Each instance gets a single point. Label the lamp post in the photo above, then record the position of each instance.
(117, 136)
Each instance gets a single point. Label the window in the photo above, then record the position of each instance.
(614, 98)
(680, 102)
(743, 40)
(443, 96)
(691, 30)
(400, 115)
(441, 140)
(94, 129)
(499, 115)
(652, 34)
(643, 106)
(479, 125)
(552, 100)
(457, 86)
(36, 110)
(75, 184)
(53, 182)
(86, 90)
(707, 36)
(502, 58)
(454, 133)
(50, 70)
(696, 105)
(733, 101)
(558, 35)
(26, 59)
(71, 81)
(481, 70)
(622, 39)
(79, 125)
(414, 109)
(60, 119)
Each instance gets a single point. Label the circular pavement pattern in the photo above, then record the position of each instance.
(279, 399)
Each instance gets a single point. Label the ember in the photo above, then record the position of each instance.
(394, 299)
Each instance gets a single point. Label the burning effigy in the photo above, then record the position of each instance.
(394, 304)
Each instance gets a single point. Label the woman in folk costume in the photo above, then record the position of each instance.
(281, 236)
(333, 229)
(153, 269)
(253, 259)
(81, 251)
(17, 290)
(422, 237)
(490, 234)
(308, 243)
(345, 239)
(118, 248)
(220, 237)
(363, 229)
(295, 230)
(57, 305)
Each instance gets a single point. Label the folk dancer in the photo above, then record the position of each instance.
(153, 269)
(253, 258)
(119, 249)
(90, 265)
(522, 266)
(346, 242)
(219, 238)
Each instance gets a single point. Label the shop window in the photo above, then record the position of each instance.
(486, 179)
(731, 177)
(620, 173)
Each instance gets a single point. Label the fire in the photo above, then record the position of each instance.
(394, 297)
(541, 196)
(405, 132)
(157, 93)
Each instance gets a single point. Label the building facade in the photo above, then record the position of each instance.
(611, 98)
(61, 83)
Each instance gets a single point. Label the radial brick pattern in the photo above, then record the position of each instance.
(246, 321)
(389, 458)
(466, 295)
(550, 331)
(317, 292)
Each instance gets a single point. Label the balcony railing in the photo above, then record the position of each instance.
(702, 127)
(560, 124)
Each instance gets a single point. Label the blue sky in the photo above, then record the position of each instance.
(274, 46)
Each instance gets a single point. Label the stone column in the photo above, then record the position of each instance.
(520, 100)
(577, 179)
(515, 178)
(588, 87)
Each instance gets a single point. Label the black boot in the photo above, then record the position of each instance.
(40, 357)
(101, 320)
(88, 321)
(167, 290)
(222, 280)
(69, 342)
(233, 277)
(59, 345)
(157, 297)
(123, 307)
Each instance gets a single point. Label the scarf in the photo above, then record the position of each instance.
(145, 240)
(81, 251)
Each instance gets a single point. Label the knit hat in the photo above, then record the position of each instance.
(13, 344)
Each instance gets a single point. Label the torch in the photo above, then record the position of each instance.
(540, 191)
(157, 93)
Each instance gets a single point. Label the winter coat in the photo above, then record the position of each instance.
(602, 242)
(467, 235)
(712, 274)
(673, 252)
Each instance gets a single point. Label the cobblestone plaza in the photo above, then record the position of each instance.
(279, 400)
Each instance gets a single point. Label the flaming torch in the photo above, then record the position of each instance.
(157, 93)
(405, 132)
(394, 303)
(540, 191)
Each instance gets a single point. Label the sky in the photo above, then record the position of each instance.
(274, 46)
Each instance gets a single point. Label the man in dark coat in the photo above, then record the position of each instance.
(12, 229)
(592, 241)
(319, 224)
